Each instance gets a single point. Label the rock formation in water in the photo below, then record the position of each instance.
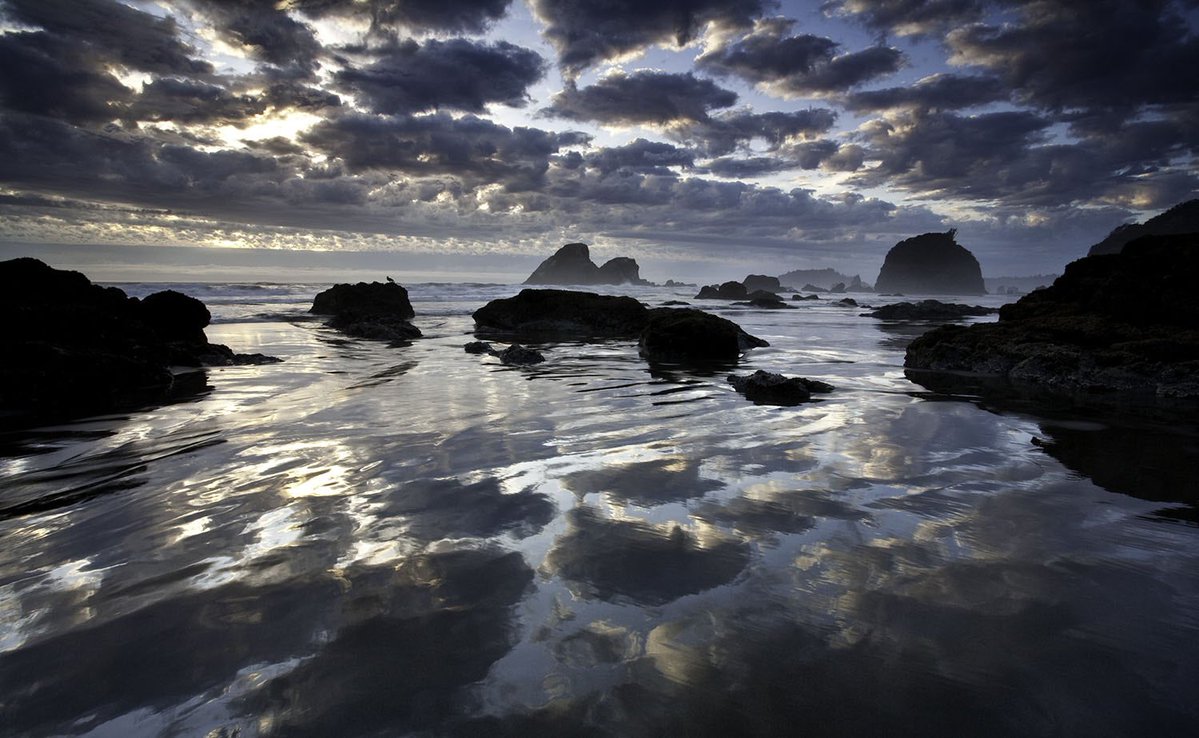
(665, 334)
(822, 280)
(1123, 324)
(929, 310)
(572, 264)
(73, 347)
(762, 282)
(768, 388)
(1182, 218)
(376, 310)
(931, 263)
(726, 291)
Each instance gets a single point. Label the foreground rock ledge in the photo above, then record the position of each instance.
(74, 348)
(1123, 324)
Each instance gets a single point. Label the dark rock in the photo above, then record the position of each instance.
(766, 304)
(812, 288)
(762, 282)
(805, 297)
(931, 263)
(672, 283)
(768, 388)
(929, 310)
(572, 264)
(838, 288)
(690, 335)
(478, 347)
(675, 303)
(74, 348)
(562, 313)
(1182, 218)
(848, 302)
(518, 355)
(621, 270)
(822, 279)
(1124, 324)
(726, 291)
(377, 311)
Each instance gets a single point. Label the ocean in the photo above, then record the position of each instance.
(366, 540)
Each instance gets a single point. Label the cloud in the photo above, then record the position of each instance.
(410, 77)
(642, 97)
(934, 92)
(189, 101)
(646, 157)
(911, 17)
(112, 30)
(796, 66)
(587, 32)
(266, 30)
(471, 148)
(1104, 54)
(724, 132)
(46, 75)
(449, 16)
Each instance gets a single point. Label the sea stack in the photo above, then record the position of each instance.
(931, 264)
(572, 264)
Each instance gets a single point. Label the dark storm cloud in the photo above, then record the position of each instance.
(797, 65)
(459, 74)
(452, 16)
(911, 17)
(189, 101)
(641, 97)
(469, 147)
(804, 155)
(722, 133)
(112, 30)
(738, 168)
(266, 30)
(935, 92)
(587, 32)
(1103, 54)
(46, 75)
(1006, 158)
(649, 157)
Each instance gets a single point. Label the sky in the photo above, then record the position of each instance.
(227, 139)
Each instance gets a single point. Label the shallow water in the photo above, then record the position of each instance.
(374, 540)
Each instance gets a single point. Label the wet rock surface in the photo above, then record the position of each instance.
(769, 388)
(688, 335)
(376, 310)
(562, 313)
(1121, 324)
(73, 347)
(929, 310)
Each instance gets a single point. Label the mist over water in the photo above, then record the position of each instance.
(374, 540)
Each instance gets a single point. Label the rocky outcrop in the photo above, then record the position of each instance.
(545, 312)
(929, 310)
(768, 388)
(1182, 218)
(572, 264)
(726, 291)
(1122, 324)
(762, 303)
(74, 348)
(517, 355)
(762, 282)
(688, 335)
(377, 310)
(933, 264)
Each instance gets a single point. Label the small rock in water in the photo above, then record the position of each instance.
(929, 310)
(517, 355)
(768, 388)
(478, 347)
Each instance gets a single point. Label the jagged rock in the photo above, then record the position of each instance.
(74, 348)
(805, 297)
(726, 291)
(672, 283)
(688, 335)
(929, 310)
(838, 289)
(812, 288)
(478, 347)
(762, 282)
(1182, 218)
(621, 270)
(517, 355)
(377, 310)
(931, 263)
(1117, 324)
(562, 313)
(572, 264)
(848, 302)
(768, 388)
